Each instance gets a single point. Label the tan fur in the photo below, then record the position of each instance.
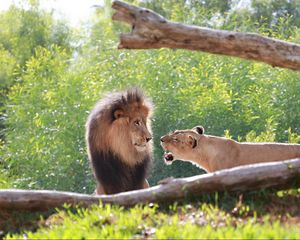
(129, 135)
(120, 134)
(214, 153)
(118, 128)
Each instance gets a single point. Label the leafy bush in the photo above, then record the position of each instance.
(47, 109)
(45, 144)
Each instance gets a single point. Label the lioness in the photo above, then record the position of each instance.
(214, 153)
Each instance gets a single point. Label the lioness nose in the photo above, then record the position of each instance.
(148, 139)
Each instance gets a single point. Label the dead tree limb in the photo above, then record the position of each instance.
(151, 30)
(280, 175)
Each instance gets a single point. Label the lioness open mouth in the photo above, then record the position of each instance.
(168, 157)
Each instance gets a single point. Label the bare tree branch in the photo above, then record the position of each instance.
(280, 175)
(151, 30)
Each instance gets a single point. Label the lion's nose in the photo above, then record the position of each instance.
(148, 139)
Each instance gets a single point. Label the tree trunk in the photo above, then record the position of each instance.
(280, 175)
(151, 30)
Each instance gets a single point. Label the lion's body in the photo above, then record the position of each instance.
(214, 153)
(117, 135)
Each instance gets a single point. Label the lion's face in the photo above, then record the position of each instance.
(135, 121)
(140, 135)
(179, 144)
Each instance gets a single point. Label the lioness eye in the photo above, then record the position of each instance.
(137, 122)
(175, 139)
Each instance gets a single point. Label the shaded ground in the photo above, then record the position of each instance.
(19, 221)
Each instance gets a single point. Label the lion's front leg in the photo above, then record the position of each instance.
(99, 190)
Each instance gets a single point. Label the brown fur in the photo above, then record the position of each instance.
(214, 153)
(118, 132)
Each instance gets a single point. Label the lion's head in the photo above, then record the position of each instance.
(179, 144)
(131, 124)
(120, 124)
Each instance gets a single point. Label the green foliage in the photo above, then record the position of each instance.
(272, 11)
(47, 120)
(5, 182)
(7, 73)
(23, 30)
(7, 67)
(193, 12)
(48, 90)
(47, 107)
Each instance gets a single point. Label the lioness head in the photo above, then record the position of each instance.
(179, 144)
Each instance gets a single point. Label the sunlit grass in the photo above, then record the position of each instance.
(254, 215)
(187, 221)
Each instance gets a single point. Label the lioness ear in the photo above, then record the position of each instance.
(192, 142)
(118, 114)
(199, 129)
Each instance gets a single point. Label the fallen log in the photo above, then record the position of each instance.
(151, 30)
(279, 175)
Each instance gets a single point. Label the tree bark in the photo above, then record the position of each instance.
(280, 175)
(151, 30)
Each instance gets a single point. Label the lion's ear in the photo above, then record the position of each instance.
(199, 129)
(192, 142)
(119, 113)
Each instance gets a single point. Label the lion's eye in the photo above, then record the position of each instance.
(137, 122)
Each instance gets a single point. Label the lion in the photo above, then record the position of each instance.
(214, 153)
(118, 138)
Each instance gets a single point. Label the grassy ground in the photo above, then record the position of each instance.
(264, 214)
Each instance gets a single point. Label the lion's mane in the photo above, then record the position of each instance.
(116, 164)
